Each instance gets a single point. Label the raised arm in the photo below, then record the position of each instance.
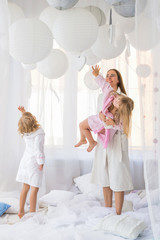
(101, 81)
(96, 70)
(21, 109)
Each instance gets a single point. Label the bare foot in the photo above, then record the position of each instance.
(20, 214)
(91, 146)
(81, 142)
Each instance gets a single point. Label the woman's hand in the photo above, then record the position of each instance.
(41, 167)
(102, 117)
(96, 70)
(21, 109)
(109, 122)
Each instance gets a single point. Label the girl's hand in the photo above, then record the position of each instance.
(96, 70)
(41, 167)
(109, 122)
(102, 117)
(21, 109)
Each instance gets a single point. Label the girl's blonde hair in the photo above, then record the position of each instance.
(27, 123)
(126, 106)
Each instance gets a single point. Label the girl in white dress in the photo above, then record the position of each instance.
(31, 166)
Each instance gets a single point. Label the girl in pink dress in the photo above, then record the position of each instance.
(117, 110)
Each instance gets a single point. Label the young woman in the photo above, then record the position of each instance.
(111, 168)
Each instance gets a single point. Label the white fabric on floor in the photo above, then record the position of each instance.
(73, 219)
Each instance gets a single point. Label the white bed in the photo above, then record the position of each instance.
(74, 215)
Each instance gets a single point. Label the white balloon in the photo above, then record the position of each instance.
(126, 25)
(103, 48)
(55, 65)
(112, 1)
(48, 16)
(91, 58)
(62, 4)
(100, 4)
(145, 37)
(29, 66)
(127, 8)
(89, 81)
(14, 13)
(143, 70)
(30, 40)
(75, 30)
(79, 62)
(98, 13)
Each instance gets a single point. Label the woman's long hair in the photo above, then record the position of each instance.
(120, 79)
(27, 123)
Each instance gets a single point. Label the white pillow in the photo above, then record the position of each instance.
(14, 202)
(85, 186)
(142, 193)
(54, 197)
(122, 225)
(127, 206)
(154, 197)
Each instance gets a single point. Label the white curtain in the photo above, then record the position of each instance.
(13, 92)
(54, 104)
(150, 104)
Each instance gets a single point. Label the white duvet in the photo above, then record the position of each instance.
(74, 219)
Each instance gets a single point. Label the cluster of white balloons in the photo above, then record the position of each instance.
(31, 43)
(84, 32)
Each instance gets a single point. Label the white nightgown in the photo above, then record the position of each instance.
(33, 156)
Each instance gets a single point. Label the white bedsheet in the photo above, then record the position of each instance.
(72, 220)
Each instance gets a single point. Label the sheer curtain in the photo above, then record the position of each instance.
(150, 96)
(13, 92)
(139, 65)
(53, 101)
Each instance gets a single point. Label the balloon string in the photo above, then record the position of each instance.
(128, 49)
(55, 93)
(110, 27)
